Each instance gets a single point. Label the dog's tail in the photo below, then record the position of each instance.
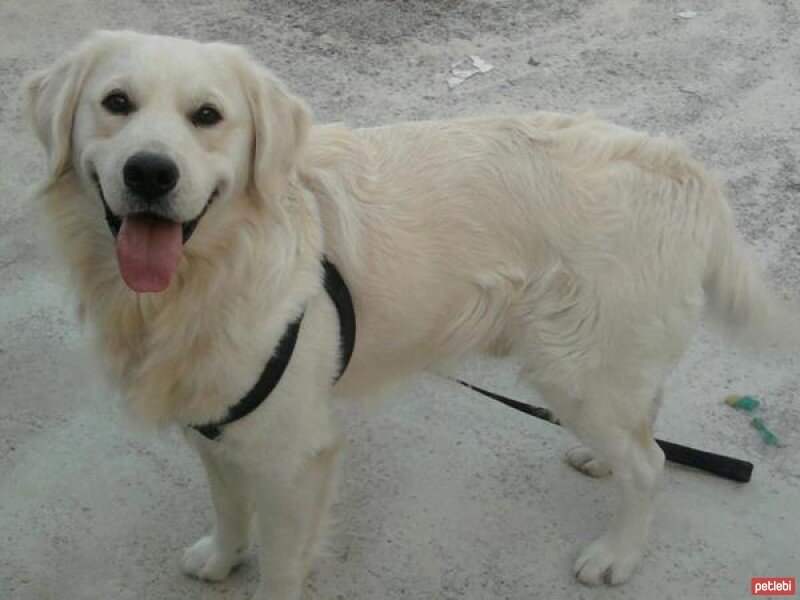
(738, 297)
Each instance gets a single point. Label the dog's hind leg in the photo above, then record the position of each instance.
(627, 447)
(585, 460)
(212, 557)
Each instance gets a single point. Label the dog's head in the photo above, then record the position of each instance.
(161, 133)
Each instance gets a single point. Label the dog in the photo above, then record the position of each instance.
(193, 204)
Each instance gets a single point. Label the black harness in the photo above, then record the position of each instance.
(276, 365)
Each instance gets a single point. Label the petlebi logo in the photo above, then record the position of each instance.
(772, 586)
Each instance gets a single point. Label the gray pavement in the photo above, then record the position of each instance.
(445, 495)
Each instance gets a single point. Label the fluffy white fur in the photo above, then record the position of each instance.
(585, 248)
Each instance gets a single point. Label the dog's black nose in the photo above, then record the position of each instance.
(150, 176)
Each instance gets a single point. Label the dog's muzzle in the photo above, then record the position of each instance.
(114, 221)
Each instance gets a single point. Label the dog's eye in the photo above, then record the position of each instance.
(118, 103)
(205, 116)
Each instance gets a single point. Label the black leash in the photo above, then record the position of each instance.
(717, 464)
(277, 363)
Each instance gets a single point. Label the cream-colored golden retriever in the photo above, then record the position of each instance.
(193, 202)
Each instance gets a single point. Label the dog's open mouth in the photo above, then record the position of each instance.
(149, 246)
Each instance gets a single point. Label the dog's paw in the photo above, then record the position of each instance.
(605, 561)
(206, 560)
(583, 459)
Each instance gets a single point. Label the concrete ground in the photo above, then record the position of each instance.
(445, 494)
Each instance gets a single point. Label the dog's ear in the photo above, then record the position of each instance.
(280, 124)
(52, 98)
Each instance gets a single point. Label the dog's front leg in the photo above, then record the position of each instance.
(292, 510)
(212, 557)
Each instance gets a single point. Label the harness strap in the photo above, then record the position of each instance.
(276, 365)
(340, 296)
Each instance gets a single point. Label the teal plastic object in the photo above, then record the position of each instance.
(767, 436)
(744, 403)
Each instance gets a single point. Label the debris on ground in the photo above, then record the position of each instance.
(767, 436)
(751, 405)
(463, 70)
(745, 403)
(533, 62)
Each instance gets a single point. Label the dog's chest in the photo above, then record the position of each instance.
(181, 366)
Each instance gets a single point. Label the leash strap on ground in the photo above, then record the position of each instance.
(717, 464)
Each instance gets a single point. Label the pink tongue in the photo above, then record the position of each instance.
(148, 252)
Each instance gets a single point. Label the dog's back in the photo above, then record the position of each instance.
(504, 221)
